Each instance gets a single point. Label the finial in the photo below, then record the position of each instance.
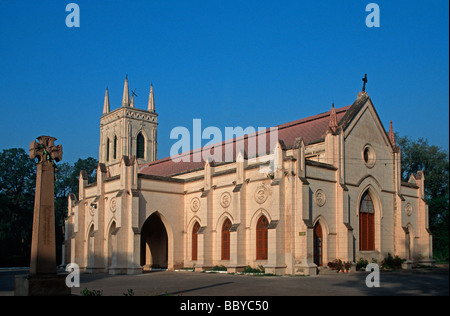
(333, 124)
(391, 134)
(126, 93)
(365, 81)
(151, 100)
(106, 102)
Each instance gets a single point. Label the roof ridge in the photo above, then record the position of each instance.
(289, 128)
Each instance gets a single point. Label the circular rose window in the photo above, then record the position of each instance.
(369, 156)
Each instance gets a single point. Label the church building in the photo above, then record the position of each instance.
(335, 192)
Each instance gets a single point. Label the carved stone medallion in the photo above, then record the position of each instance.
(113, 205)
(408, 209)
(320, 197)
(261, 194)
(91, 209)
(225, 199)
(195, 204)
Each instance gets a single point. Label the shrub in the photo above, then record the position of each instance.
(219, 268)
(249, 269)
(130, 292)
(87, 292)
(361, 264)
(392, 262)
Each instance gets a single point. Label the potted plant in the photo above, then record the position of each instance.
(347, 266)
(339, 265)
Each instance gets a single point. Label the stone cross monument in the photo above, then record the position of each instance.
(43, 278)
(43, 250)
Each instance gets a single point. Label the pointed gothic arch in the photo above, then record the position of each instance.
(90, 251)
(366, 223)
(140, 145)
(318, 244)
(226, 239)
(409, 242)
(262, 238)
(320, 247)
(369, 185)
(154, 243)
(111, 244)
(194, 241)
(107, 148)
(115, 147)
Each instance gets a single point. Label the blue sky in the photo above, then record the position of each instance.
(230, 63)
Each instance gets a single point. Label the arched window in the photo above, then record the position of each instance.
(366, 223)
(107, 149)
(115, 148)
(226, 239)
(261, 238)
(195, 240)
(140, 146)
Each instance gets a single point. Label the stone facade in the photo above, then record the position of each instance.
(144, 213)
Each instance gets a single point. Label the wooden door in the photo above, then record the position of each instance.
(226, 240)
(262, 238)
(318, 243)
(195, 240)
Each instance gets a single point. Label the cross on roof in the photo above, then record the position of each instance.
(365, 81)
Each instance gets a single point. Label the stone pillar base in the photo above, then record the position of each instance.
(428, 262)
(276, 270)
(41, 285)
(119, 270)
(407, 265)
(306, 269)
(235, 268)
(201, 268)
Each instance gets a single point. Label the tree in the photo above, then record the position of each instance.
(17, 186)
(434, 161)
(90, 166)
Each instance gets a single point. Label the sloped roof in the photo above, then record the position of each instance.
(312, 129)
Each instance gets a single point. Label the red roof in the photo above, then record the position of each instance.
(311, 129)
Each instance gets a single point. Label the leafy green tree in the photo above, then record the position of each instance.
(90, 166)
(17, 186)
(434, 161)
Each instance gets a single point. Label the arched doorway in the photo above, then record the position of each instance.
(262, 238)
(318, 245)
(111, 245)
(195, 241)
(154, 244)
(366, 223)
(226, 240)
(90, 247)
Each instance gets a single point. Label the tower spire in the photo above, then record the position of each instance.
(126, 93)
(151, 100)
(106, 102)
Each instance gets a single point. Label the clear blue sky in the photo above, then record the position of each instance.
(230, 63)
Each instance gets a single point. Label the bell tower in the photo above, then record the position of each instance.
(128, 131)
